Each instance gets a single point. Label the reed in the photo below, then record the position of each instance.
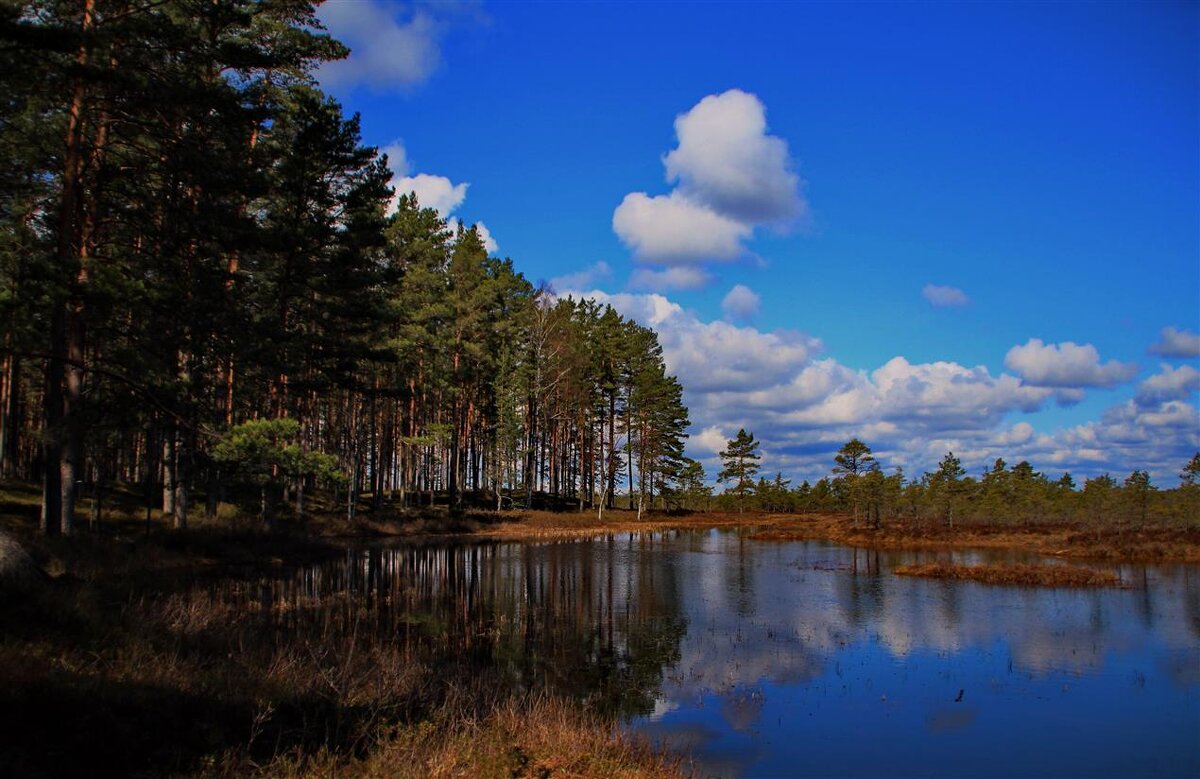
(1015, 574)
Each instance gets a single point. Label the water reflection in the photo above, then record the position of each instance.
(595, 619)
(840, 668)
(777, 659)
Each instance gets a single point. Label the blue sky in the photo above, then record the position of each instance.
(949, 227)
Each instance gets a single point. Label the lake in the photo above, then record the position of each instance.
(762, 658)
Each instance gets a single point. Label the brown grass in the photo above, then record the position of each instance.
(237, 538)
(1016, 574)
(541, 737)
(143, 677)
(1147, 544)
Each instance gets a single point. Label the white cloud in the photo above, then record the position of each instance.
(436, 192)
(677, 277)
(583, 279)
(718, 356)
(944, 297)
(1177, 343)
(714, 356)
(726, 160)
(1169, 384)
(741, 302)
(1067, 364)
(391, 44)
(1018, 434)
(803, 407)
(485, 235)
(671, 229)
(709, 441)
(730, 177)
(397, 158)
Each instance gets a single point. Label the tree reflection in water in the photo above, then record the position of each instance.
(759, 657)
(594, 620)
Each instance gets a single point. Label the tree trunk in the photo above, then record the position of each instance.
(10, 423)
(170, 467)
(61, 457)
(51, 517)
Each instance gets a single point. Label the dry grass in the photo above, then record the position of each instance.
(144, 675)
(533, 525)
(1015, 574)
(1149, 544)
(542, 737)
(238, 539)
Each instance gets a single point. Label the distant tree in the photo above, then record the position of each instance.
(1137, 486)
(1190, 475)
(774, 495)
(871, 491)
(802, 496)
(995, 491)
(821, 496)
(690, 488)
(1188, 499)
(851, 460)
(1063, 496)
(946, 485)
(740, 459)
(1029, 489)
(1098, 495)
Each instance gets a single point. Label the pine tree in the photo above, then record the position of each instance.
(945, 485)
(740, 459)
(850, 462)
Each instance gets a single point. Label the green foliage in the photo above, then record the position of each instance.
(265, 452)
(853, 458)
(740, 460)
(214, 236)
(1190, 475)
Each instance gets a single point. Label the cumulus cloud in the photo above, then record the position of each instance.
(944, 297)
(710, 441)
(1169, 384)
(583, 279)
(678, 277)
(714, 356)
(436, 192)
(391, 44)
(1175, 342)
(803, 406)
(669, 229)
(1066, 365)
(730, 177)
(726, 160)
(485, 235)
(397, 158)
(740, 302)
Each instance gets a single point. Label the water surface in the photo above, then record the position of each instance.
(792, 659)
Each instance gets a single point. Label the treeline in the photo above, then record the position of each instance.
(1002, 494)
(193, 237)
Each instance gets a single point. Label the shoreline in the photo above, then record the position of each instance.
(1114, 544)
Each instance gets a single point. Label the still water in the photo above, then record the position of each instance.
(792, 659)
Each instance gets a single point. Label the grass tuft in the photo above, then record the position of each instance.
(1015, 574)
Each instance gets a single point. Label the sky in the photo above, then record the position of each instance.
(970, 228)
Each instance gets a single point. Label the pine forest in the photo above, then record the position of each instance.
(195, 240)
